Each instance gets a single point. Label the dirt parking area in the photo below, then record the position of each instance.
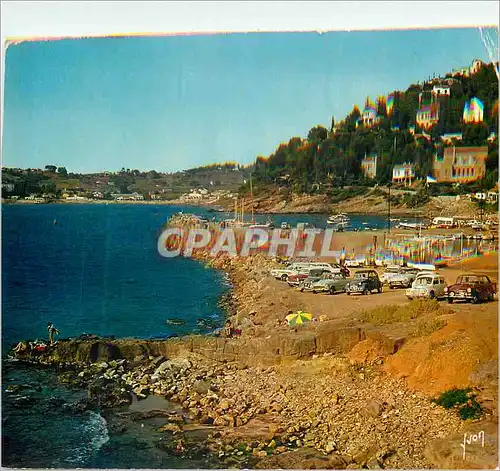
(340, 305)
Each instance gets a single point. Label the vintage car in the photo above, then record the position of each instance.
(473, 288)
(313, 274)
(353, 263)
(427, 285)
(403, 279)
(390, 271)
(293, 269)
(329, 283)
(364, 281)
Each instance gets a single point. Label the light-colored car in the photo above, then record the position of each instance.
(329, 283)
(403, 279)
(427, 285)
(302, 267)
(285, 272)
(353, 263)
(390, 271)
(311, 274)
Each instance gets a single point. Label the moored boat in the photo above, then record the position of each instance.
(339, 218)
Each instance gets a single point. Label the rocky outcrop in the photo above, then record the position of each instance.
(282, 346)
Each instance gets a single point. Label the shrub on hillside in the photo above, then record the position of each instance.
(463, 400)
(392, 313)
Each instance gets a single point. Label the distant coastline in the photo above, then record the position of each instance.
(353, 207)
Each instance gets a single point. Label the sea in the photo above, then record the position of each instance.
(95, 269)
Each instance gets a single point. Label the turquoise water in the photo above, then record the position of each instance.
(97, 270)
(39, 430)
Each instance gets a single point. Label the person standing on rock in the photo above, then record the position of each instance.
(51, 329)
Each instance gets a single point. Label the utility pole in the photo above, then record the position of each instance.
(389, 209)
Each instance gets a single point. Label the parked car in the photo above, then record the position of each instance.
(364, 281)
(329, 283)
(473, 288)
(427, 285)
(300, 267)
(390, 271)
(293, 269)
(353, 263)
(298, 275)
(297, 278)
(403, 279)
(311, 275)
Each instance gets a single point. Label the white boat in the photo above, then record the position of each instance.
(267, 225)
(338, 218)
(411, 225)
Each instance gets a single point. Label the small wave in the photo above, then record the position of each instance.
(95, 435)
(97, 428)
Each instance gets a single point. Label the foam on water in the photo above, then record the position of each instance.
(94, 436)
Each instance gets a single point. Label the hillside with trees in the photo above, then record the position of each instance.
(54, 181)
(329, 159)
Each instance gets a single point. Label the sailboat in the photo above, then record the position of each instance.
(253, 225)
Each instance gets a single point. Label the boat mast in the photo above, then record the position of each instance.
(251, 196)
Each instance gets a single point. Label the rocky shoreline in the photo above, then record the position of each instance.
(253, 415)
(272, 397)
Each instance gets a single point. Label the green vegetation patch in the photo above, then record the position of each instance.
(462, 400)
(337, 195)
(428, 326)
(392, 313)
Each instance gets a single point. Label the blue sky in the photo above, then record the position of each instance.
(171, 103)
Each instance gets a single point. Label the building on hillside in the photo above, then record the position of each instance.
(428, 116)
(127, 196)
(369, 166)
(192, 196)
(492, 196)
(488, 196)
(403, 173)
(441, 90)
(473, 111)
(428, 110)
(474, 68)
(462, 71)
(460, 164)
(368, 117)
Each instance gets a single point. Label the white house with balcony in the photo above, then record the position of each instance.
(441, 90)
(403, 173)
